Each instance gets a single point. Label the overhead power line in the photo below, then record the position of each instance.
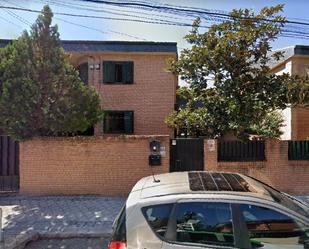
(103, 17)
(288, 31)
(100, 30)
(10, 22)
(188, 10)
(145, 13)
(69, 22)
(132, 13)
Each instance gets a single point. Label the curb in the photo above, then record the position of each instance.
(22, 240)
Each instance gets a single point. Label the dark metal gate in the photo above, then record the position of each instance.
(9, 164)
(187, 154)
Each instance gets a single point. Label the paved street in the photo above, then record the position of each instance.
(65, 216)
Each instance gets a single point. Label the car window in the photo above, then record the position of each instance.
(204, 223)
(271, 229)
(157, 217)
(281, 198)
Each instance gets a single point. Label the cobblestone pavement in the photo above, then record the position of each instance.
(57, 216)
(69, 244)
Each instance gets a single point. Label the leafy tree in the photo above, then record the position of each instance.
(227, 70)
(269, 126)
(41, 93)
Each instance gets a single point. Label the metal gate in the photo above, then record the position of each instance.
(187, 154)
(9, 164)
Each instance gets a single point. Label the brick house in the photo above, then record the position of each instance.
(295, 61)
(136, 91)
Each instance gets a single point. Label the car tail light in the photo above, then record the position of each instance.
(117, 245)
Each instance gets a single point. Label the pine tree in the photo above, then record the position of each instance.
(41, 94)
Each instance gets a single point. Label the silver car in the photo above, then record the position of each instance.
(209, 210)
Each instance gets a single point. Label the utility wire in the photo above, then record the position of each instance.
(75, 24)
(10, 22)
(138, 14)
(103, 17)
(99, 30)
(19, 18)
(207, 18)
(186, 10)
(296, 33)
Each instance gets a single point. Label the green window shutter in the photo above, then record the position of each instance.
(129, 122)
(109, 71)
(128, 72)
(83, 72)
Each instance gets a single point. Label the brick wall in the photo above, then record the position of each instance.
(86, 165)
(152, 95)
(289, 176)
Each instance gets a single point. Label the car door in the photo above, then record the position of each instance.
(198, 224)
(270, 228)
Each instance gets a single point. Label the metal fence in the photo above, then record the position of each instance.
(9, 164)
(237, 151)
(298, 150)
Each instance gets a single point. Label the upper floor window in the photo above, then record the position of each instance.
(118, 72)
(83, 72)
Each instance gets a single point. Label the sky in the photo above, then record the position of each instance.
(13, 22)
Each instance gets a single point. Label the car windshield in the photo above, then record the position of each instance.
(281, 198)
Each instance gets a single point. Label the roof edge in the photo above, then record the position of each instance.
(111, 46)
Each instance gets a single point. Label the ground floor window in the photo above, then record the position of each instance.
(121, 122)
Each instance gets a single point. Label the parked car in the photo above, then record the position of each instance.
(209, 210)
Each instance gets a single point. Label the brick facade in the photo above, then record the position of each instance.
(152, 96)
(296, 118)
(289, 176)
(81, 165)
(300, 116)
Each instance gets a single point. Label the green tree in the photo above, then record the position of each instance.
(41, 93)
(227, 71)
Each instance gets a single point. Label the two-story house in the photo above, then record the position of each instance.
(137, 92)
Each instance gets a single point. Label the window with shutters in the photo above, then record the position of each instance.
(119, 122)
(118, 72)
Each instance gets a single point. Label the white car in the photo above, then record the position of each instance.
(198, 210)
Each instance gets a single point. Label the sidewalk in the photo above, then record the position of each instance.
(24, 218)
